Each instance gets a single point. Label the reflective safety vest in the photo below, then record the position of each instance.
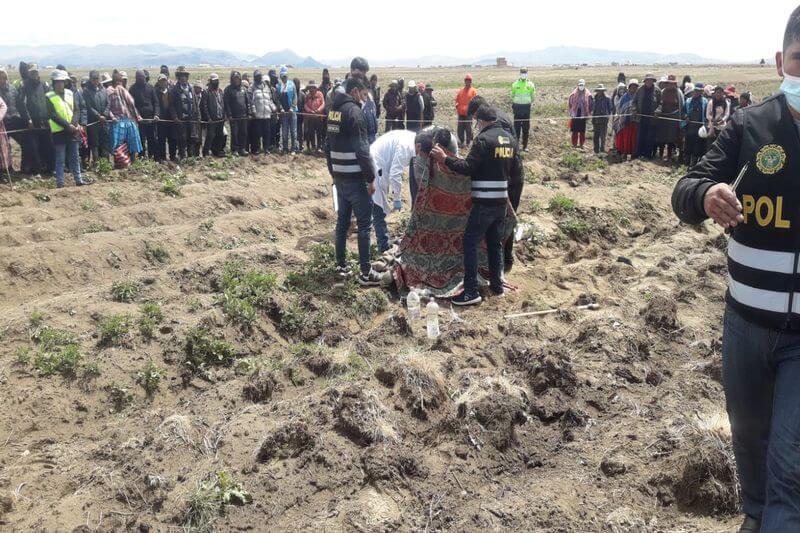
(522, 92)
(64, 108)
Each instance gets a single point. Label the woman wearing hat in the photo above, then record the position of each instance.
(671, 110)
(601, 110)
(580, 107)
(625, 128)
(646, 101)
(315, 113)
(717, 113)
(122, 110)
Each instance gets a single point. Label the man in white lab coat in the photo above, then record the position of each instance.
(391, 155)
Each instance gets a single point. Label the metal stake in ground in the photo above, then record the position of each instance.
(590, 307)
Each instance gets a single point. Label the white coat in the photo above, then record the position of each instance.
(391, 155)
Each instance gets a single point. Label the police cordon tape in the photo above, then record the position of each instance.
(380, 119)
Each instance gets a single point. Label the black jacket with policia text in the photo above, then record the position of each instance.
(763, 251)
(347, 149)
(491, 163)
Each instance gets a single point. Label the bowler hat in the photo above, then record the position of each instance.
(181, 71)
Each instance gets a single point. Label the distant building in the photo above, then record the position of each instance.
(502, 62)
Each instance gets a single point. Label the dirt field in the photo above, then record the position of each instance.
(177, 356)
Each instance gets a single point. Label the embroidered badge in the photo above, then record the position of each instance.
(771, 159)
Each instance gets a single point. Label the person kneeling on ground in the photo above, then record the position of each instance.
(391, 154)
(491, 162)
(350, 165)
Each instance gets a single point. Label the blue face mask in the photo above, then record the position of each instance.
(791, 88)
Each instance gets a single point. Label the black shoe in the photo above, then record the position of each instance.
(255, 152)
(371, 279)
(465, 299)
(508, 266)
(750, 525)
(243, 153)
(497, 292)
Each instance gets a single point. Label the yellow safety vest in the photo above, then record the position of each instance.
(63, 106)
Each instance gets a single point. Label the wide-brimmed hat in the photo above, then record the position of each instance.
(633, 81)
(59, 75)
(181, 71)
(213, 77)
(312, 85)
(106, 78)
(162, 77)
(650, 76)
(672, 79)
(123, 75)
(688, 89)
(600, 87)
(33, 67)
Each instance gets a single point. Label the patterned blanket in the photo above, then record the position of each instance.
(431, 251)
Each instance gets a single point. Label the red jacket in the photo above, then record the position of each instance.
(315, 104)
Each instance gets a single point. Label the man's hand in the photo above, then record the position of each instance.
(438, 154)
(371, 188)
(156, 119)
(30, 125)
(722, 206)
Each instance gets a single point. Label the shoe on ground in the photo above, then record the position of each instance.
(344, 271)
(464, 299)
(750, 525)
(508, 266)
(371, 279)
(243, 153)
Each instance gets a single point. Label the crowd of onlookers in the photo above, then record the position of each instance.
(657, 118)
(104, 116)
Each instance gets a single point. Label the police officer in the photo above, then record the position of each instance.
(490, 163)
(347, 153)
(515, 183)
(761, 336)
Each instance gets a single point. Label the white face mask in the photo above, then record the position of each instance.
(523, 75)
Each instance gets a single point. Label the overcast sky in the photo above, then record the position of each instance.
(735, 30)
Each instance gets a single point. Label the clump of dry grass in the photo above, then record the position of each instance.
(498, 405)
(422, 385)
(702, 475)
(361, 416)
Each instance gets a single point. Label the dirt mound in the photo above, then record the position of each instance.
(260, 386)
(289, 440)
(362, 417)
(701, 475)
(391, 466)
(422, 385)
(661, 313)
(498, 406)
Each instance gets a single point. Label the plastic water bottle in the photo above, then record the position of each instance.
(412, 302)
(432, 311)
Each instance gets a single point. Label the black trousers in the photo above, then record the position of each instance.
(42, 152)
(522, 123)
(300, 134)
(147, 132)
(694, 149)
(165, 136)
(97, 139)
(260, 135)
(182, 132)
(23, 139)
(514, 196)
(464, 130)
(238, 134)
(600, 126)
(215, 139)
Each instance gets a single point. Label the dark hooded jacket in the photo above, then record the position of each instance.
(9, 96)
(183, 102)
(237, 104)
(212, 105)
(96, 100)
(32, 103)
(146, 100)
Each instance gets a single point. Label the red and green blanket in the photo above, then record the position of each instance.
(431, 251)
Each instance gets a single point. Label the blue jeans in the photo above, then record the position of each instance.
(381, 229)
(353, 197)
(68, 151)
(289, 129)
(485, 221)
(761, 372)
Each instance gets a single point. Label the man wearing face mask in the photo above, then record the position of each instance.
(350, 165)
(522, 93)
(212, 111)
(761, 334)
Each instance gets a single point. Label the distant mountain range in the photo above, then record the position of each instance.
(152, 55)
